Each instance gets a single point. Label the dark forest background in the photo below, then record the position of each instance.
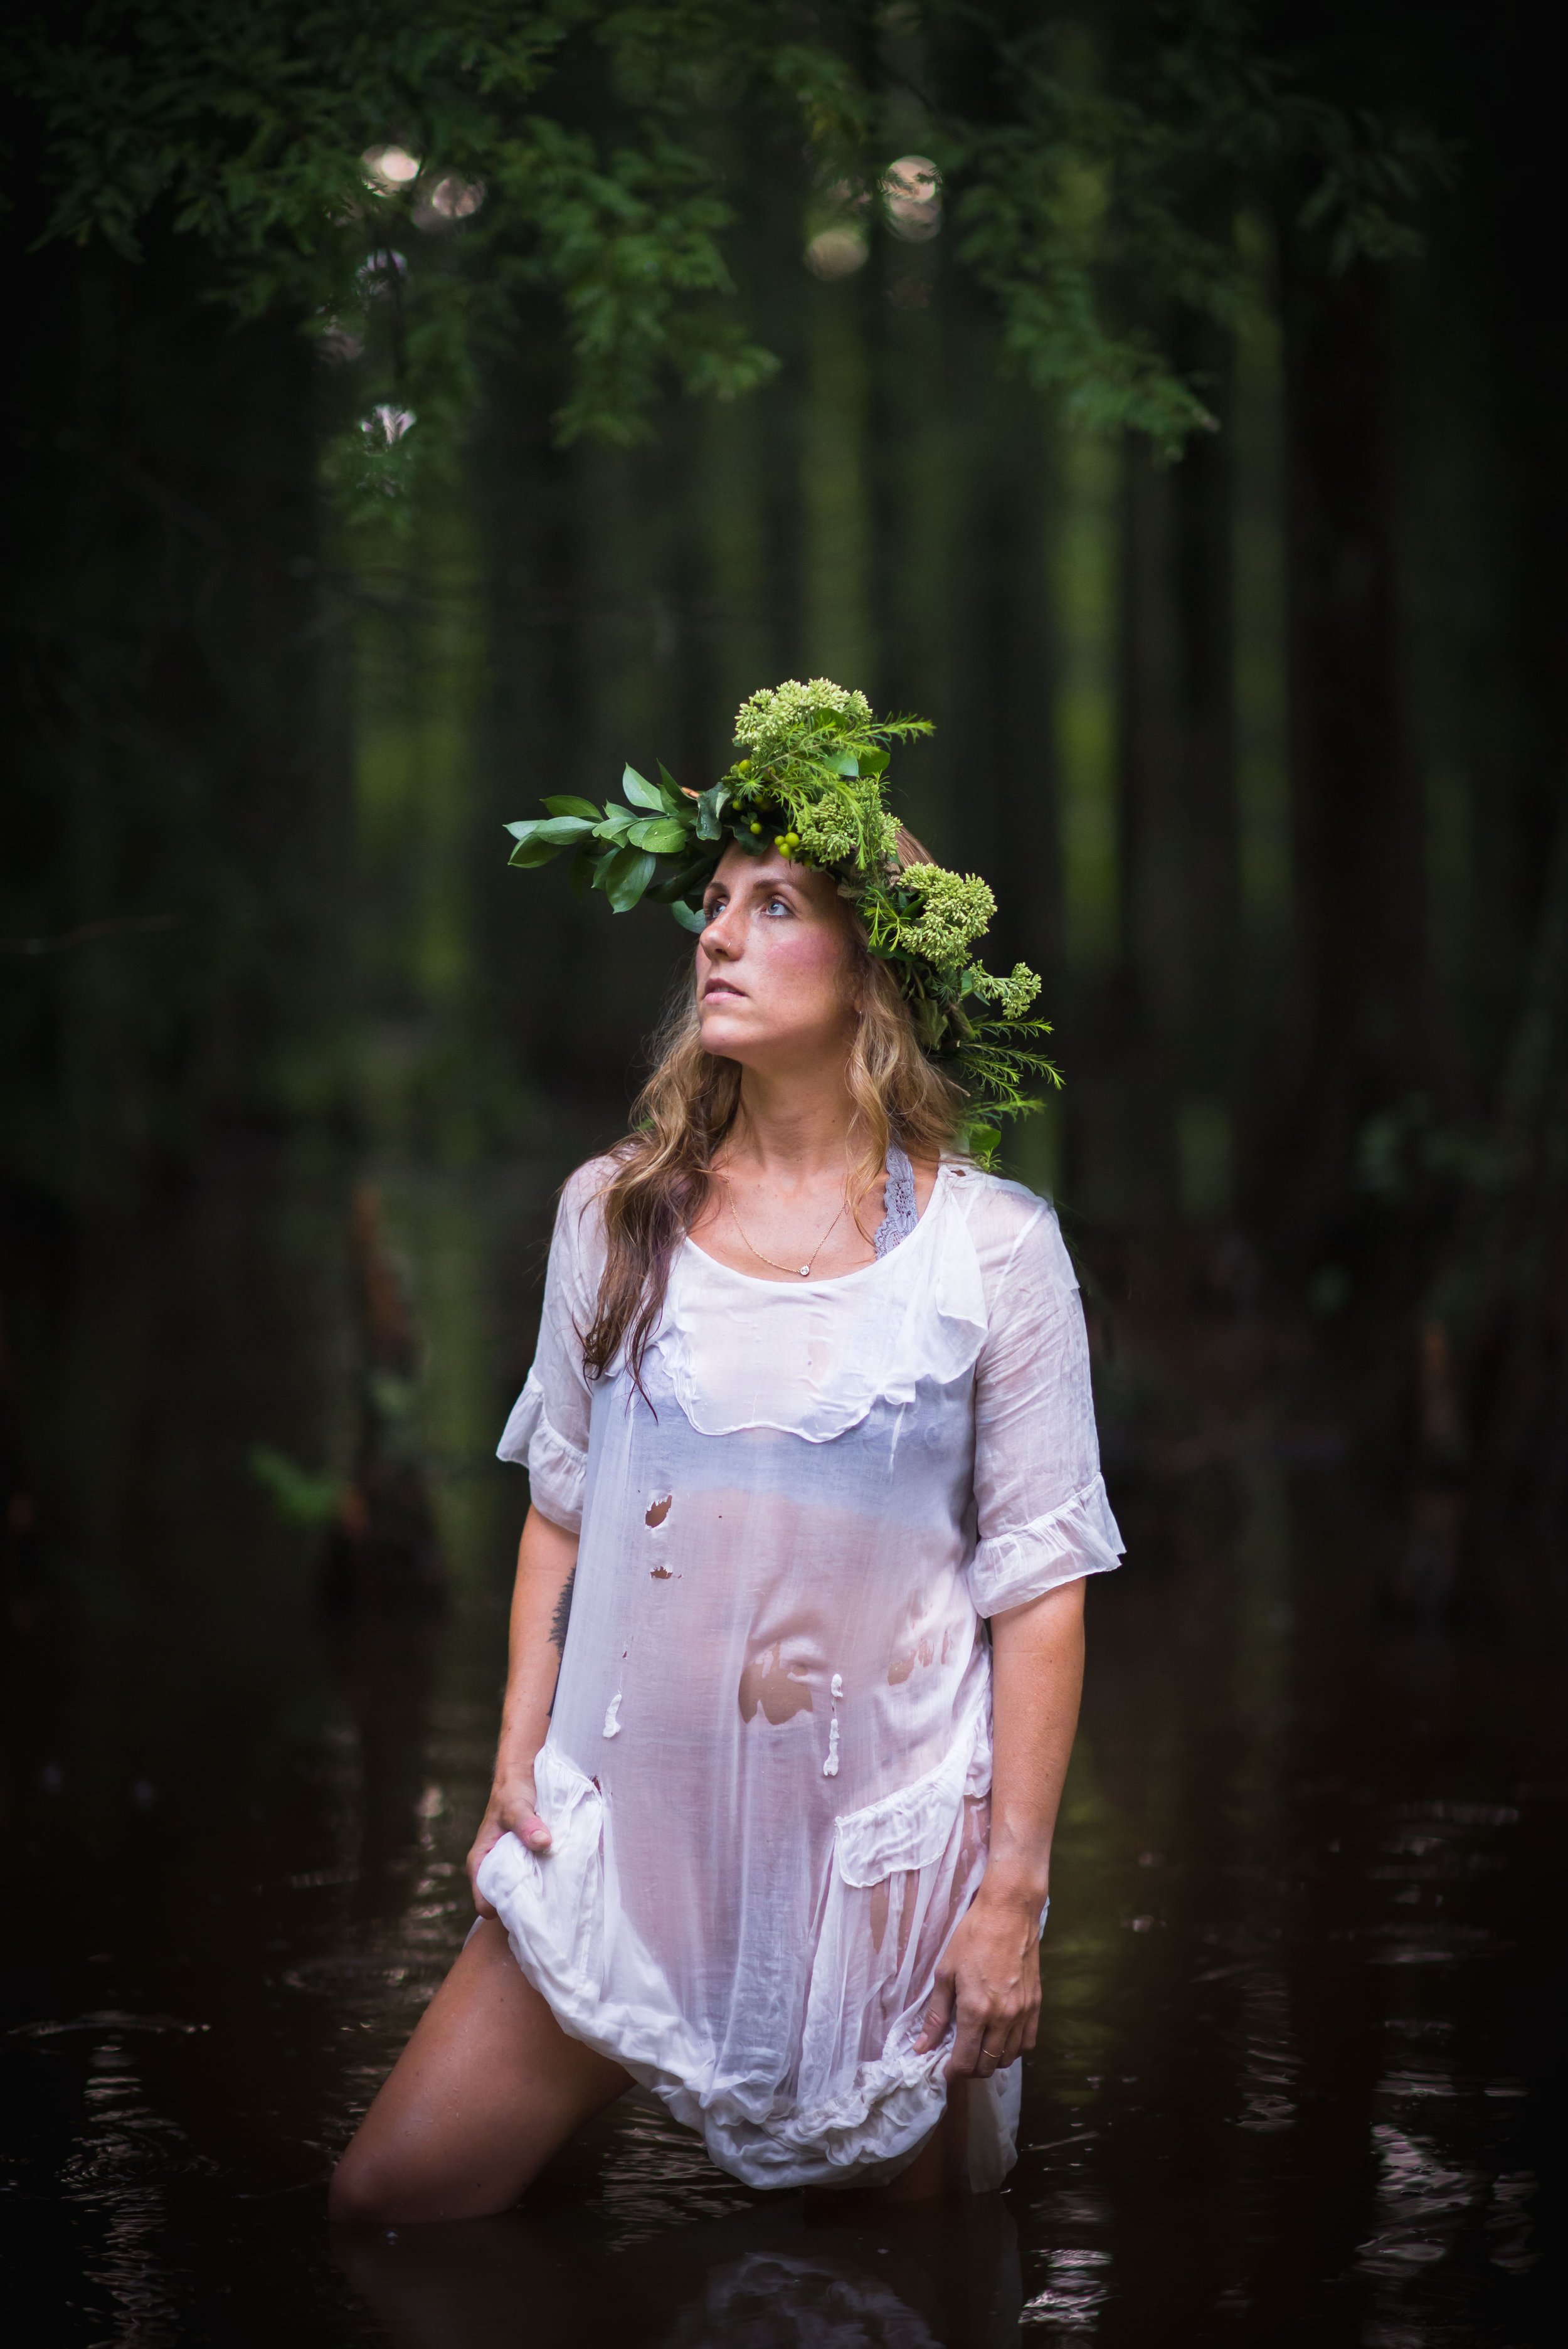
(1258, 729)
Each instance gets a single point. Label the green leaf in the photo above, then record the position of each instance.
(690, 917)
(641, 792)
(617, 823)
(582, 871)
(689, 878)
(844, 762)
(531, 853)
(565, 804)
(661, 833)
(626, 875)
(710, 806)
(872, 763)
(559, 831)
(983, 1141)
(676, 799)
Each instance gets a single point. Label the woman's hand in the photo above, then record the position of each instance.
(541, 1601)
(990, 1977)
(509, 1811)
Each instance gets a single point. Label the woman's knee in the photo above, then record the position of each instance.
(366, 2190)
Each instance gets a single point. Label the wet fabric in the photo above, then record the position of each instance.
(768, 1765)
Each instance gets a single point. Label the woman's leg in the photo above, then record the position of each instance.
(487, 2089)
(936, 2168)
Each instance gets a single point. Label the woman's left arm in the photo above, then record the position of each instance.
(990, 1976)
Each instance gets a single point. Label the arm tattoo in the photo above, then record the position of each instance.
(562, 1615)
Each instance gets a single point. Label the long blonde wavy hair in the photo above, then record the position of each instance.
(664, 1169)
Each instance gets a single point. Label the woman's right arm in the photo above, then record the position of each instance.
(540, 1602)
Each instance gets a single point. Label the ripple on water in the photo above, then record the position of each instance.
(657, 2175)
(1071, 2302)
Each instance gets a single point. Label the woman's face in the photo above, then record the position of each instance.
(773, 965)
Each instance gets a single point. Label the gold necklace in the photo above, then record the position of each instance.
(803, 1269)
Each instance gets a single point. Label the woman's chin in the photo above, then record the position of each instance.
(725, 1038)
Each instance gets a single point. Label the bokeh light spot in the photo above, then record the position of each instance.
(448, 199)
(390, 167)
(911, 198)
(386, 425)
(836, 252)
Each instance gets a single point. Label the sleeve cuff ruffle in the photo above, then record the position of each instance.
(555, 1468)
(1080, 1538)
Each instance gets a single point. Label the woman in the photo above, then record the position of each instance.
(814, 1480)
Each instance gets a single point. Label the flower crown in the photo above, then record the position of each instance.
(811, 785)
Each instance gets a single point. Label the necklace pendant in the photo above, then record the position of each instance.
(805, 1272)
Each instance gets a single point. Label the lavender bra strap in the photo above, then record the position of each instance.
(900, 1215)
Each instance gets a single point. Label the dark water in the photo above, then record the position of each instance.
(1301, 2054)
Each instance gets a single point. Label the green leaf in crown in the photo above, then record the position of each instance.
(811, 783)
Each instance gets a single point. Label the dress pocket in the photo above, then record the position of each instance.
(912, 1828)
(904, 1869)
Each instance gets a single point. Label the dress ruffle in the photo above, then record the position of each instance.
(556, 1469)
(1079, 1538)
(813, 1361)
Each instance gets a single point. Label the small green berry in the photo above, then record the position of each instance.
(780, 844)
(754, 827)
(791, 839)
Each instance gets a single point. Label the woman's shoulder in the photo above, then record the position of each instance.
(584, 1186)
(1011, 1225)
(580, 1217)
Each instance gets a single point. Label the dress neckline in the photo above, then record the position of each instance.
(833, 1279)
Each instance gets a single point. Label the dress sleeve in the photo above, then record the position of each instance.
(547, 1431)
(1041, 1513)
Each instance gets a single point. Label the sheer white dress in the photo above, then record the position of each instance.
(768, 1763)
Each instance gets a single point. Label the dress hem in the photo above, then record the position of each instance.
(869, 2126)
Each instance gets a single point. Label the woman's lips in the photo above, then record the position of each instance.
(720, 986)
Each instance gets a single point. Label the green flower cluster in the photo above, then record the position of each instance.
(811, 785)
(841, 825)
(777, 723)
(955, 909)
(1013, 996)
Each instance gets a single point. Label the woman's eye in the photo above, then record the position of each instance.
(776, 906)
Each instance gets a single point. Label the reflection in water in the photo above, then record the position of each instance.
(1271, 2065)
(1071, 2302)
(1294, 2001)
(654, 2167)
(768, 2301)
(767, 2278)
(117, 2167)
